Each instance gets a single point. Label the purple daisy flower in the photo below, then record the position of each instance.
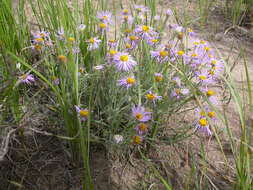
(93, 43)
(124, 61)
(26, 78)
(145, 32)
(160, 56)
(177, 81)
(103, 27)
(127, 82)
(105, 17)
(179, 92)
(158, 77)
(203, 126)
(127, 19)
(131, 41)
(203, 77)
(141, 8)
(112, 44)
(141, 129)
(83, 113)
(153, 97)
(125, 12)
(140, 114)
(154, 41)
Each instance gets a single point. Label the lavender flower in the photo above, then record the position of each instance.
(154, 41)
(124, 61)
(203, 126)
(141, 129)
(140, 114)
(145, 32)
(158, 77)
(153, 97)
(26, 78)
(93, 43)
(127, 82)
(110, 56)
(141, 8)
(112, 44)
(127, 19)
(177, 81)
(105, 17)
(160, 56)
(83, 113)
(179, 92)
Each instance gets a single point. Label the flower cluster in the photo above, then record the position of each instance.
(145, 66)
(141, 116)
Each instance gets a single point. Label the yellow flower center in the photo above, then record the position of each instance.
(202, 77)
(202, 42)
(190, 30)
(212, 72)
(177, 90)
(71, 39)
(203, 122)
(143, 127)
(210, 93)
(92, 40)
(214, 62)
(81, 70)
(128, 31)
(84, 113)
(112, 52)
(133, 38)
(112, 41)
(124, 58)
(130, 80)
(145, 28)
(180, 53)
(137, 139)
(196, 43)
(207, 48)
(39, 39)
(202, 113)
(138, 116)
(180, 35)
(158, 78)
(105, 17)
(62, 58)
(38, 47)
(163, 53)
(128, 45)
(125, 11)
(102, 25)
(23, 77)
(154, 40)
(150, 96)
(194, 55)
(125, 17)
(211, 114)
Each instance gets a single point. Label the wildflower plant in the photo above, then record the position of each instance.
(119, 89)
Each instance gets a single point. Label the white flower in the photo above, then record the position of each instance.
(118, 139)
